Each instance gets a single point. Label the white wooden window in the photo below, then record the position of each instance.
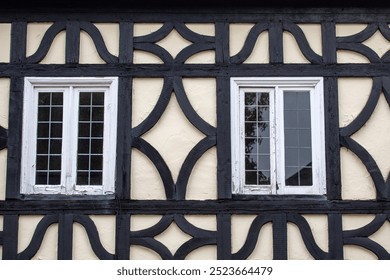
(69, 135)
(277, 133)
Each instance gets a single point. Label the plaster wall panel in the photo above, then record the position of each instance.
(5, 39)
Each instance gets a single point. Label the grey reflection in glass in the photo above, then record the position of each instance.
(257, 144)
(297, 138)
(90, 139)
(49, 138)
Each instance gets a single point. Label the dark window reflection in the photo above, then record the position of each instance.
(297, 138)
(257, 133)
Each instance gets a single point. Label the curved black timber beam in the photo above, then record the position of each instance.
(154, 230)
(249, 43)
(158, 161)
(98, 40)
(93, 236)
(154, 116)
(366, 112)
(307, 236)
(382, 192)
(252, 237)
(46, 42)
(192, 158)
(3, 138)
(37, 238)
(302, 42)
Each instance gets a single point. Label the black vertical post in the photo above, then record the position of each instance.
(122, 240)
(332, 139)
(329, 42)
(65, 237)
(276, 42)
(14, 138)
(126, 42)
(123, 159)
(335, 236)
(10, 237)
(223, 113)
(72, 48)
(279, 231)
(224, 235)
(221, 42)
(18, 55)
(18, 42)
(223, 139)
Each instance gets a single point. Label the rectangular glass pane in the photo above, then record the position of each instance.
(263, 130)
(251, 113)
(257, 133)
(250, 129)
(49, 142)
(297, 136)
(264, 177)
(250, 98)
(90, 139)
(251, 146)
(250, 177)
(251, 162)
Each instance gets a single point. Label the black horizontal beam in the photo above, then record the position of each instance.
(93, 5)
(195, 70)
(303, 206)
(201, 14)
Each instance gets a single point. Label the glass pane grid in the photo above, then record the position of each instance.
(49, 140)
(257, 144)
(90, 139)
(297, 134)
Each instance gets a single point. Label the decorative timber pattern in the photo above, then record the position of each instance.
(274, 210)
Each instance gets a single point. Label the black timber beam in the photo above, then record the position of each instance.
(300, 206)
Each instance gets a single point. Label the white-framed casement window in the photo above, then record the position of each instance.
(277, 133)
(69, 135)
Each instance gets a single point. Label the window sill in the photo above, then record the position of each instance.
(67, 197)
(285, 197)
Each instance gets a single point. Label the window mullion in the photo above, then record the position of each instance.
(241, 148)
(64, 148)
(273, 139)
(279, 142)
(69, 140)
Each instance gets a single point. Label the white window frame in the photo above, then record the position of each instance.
(71, 87)
(275, 86)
